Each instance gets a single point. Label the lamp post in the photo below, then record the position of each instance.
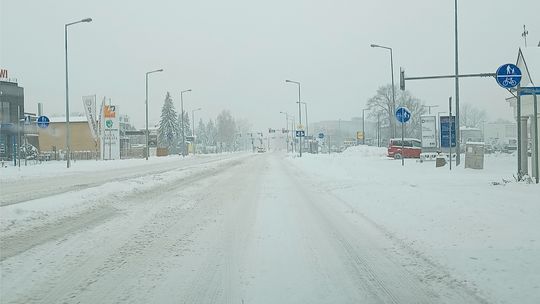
(299, 112)
(193, 128)
(307, 123)
(68, 130)
(182, 121)
(392, 122)
(146, 116)
(286, 128)
(293, 125)
(363, 126)
(458, 149)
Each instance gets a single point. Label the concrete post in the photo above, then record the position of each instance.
(524, 158)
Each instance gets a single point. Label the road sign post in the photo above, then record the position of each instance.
(43, 122)
(508, 76)
(403, 115)
(534, 91)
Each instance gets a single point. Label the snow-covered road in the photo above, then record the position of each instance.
(248, 229)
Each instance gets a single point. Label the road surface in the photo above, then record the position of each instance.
(251, 230)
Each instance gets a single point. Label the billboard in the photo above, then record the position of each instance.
(110, 132)
(89, 103)
(429, 136)
(448, 129)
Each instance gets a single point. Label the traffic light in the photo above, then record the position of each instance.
(402, 79)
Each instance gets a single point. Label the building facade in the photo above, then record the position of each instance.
(11, 111)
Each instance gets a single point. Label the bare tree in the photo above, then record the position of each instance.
(381, 106)
(226, 130)
(471, 116)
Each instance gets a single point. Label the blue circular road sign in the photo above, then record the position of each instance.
(43, 122)
(321, 135)
(508, 75)
(403, 114)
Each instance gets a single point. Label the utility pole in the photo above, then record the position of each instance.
(182, 121)
(458, 136)
(299, 112)
(363, 126)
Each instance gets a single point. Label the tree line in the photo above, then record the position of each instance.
(380, 107)
(222, 134)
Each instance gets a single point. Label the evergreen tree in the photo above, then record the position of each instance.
(201, 133)
(211, 133)
(168, 125)
(187, 125)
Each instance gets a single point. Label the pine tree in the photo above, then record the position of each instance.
(187, 125)
(201, 133)
(168, 125)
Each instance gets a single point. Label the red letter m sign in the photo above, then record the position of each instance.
(3, 73)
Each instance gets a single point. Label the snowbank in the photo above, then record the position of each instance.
(480, 224)
(366, 151)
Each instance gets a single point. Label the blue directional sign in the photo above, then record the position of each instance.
(530, 91)
(508, 75)
(321, 135)
(448, 129)
(300, 133)
(403, 114)
(43, 122)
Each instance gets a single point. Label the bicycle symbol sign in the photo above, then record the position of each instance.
(508, 76)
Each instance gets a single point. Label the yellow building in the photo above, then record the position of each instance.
(53, 138)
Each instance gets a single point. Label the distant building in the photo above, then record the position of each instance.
(500, 134)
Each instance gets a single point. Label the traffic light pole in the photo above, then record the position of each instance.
(402, 80)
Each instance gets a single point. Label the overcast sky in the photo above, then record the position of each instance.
(236, 54)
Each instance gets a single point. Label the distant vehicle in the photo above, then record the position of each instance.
(412, 148)
(261, 150)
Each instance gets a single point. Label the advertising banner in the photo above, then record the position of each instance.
(110, 132)
(429, 136)
(448, 129)
(89, 103)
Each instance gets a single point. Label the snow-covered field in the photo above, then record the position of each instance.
(481, 225)
(248, 228)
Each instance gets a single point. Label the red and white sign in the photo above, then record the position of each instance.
(3, 74)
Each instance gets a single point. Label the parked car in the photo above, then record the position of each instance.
(411, 148)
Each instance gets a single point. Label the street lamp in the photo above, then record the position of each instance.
(193, 124)
(286, 127)
(182, 121)
(307, 123)
(299, 111)
(68, 130)
(393, 90)
(363, 126)
(146, 116)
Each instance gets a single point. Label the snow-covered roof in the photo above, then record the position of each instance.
(529, 62)
(71, 119)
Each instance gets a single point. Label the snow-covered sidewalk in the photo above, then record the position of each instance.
(479, 224)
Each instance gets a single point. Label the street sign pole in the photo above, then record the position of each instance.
(450, 129)
(402, 143)
(403, 115)
(536, 138)
(518, 121)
